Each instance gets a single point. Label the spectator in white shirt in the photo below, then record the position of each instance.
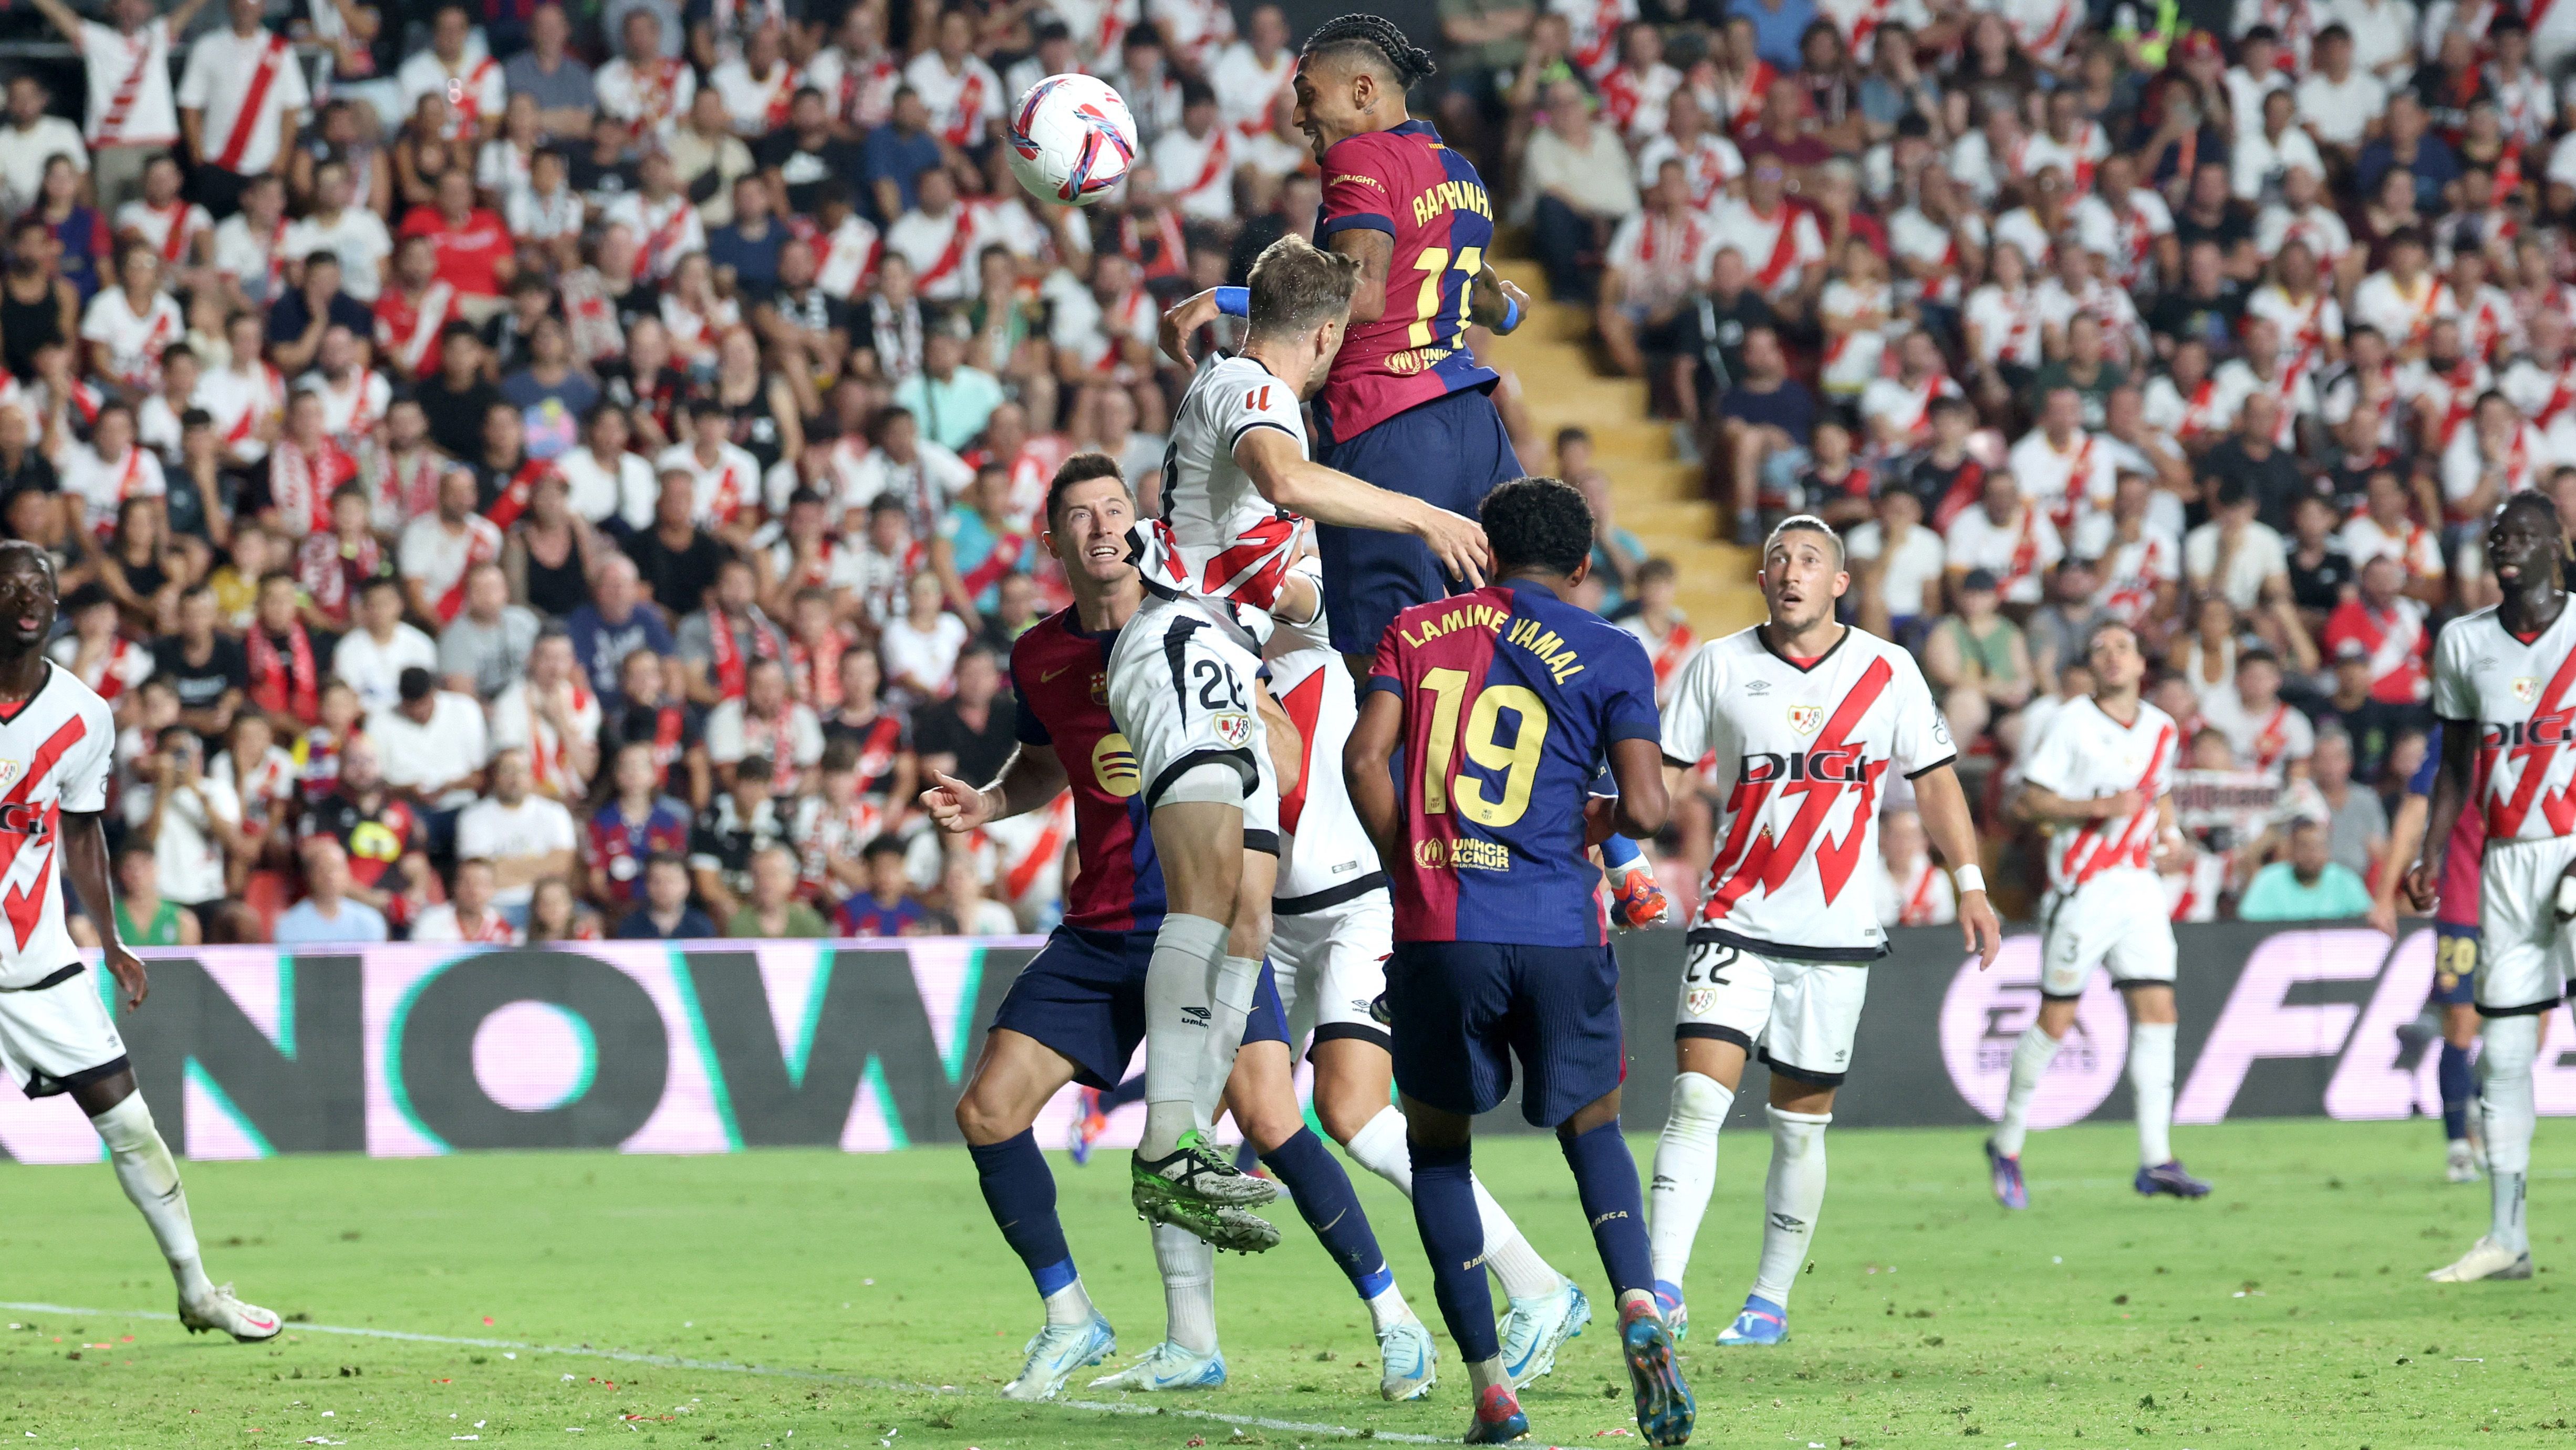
(434, 745)
(525, 836)
(31, 139)
(468, 914)
(2236, 555)
(373, 656)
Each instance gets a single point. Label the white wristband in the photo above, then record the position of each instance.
(1970, 878)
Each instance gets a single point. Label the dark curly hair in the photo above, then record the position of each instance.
(1540, 523)
(1376, 40)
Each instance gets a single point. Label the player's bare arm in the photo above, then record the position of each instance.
(2405, 837)
(1365, 775)
(1374, 251)
(1286, 477)
(1287, 746)
(1033, 776)
(1943, 805)
(84, 848)
(1637, 766)
(1495, 302)
(2451, 784)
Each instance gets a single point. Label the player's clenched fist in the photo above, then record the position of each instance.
(954, 806)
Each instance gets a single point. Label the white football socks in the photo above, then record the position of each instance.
(150, 1177)
(2032, 1054)
(1179, 982)
(2151, 1069)
(1791, 1199)
(1229, 1007)
(1379, 1147)
(1069, 1305)
(1188, 1265)
(2512, 1046)
(1388, 1307)
(1685, 1171)
(1484, 1374)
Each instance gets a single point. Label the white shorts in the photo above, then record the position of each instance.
(1334, 959)
(2118, 920)
(2524, 955)
(55, 1038)
(1798, 1017)
(1186, 695)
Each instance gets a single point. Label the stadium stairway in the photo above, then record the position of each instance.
(1654, 493)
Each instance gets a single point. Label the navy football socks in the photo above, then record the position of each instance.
(1020, 1191)
(1606, 1176)
(1453, 1238)
(1316, 1179)
(2458, 1085)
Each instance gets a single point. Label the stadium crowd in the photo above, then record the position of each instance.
(528, 472)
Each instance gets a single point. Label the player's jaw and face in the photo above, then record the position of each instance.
(2525, 549)
(1330, 104)
(26, 603)
(1089, 536)
(1801, 579)
(2117, 665)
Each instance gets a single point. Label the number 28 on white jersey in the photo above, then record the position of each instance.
(1218, 537)
(1805, 748)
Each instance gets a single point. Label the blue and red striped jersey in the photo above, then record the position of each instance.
(1428, 198)
(1512, 700)
(1061, 675)
(618, 848)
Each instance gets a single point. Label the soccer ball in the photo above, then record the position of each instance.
(1072, 139)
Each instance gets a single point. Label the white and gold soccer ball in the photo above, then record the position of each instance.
(1072, 139)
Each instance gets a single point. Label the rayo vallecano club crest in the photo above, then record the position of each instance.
(1805, 718)
(10, 770)
(1233, 727)
(2525, 689)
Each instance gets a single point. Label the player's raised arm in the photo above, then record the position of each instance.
(1033, 776)
(1373, 250)
(1280, 469)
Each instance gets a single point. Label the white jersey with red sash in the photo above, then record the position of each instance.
(962, 103)
(1668, 648)
(352, 409)
(844, 258)
(129, 85)
(2403, 314)
(2066, 480)
(665, 230)
(649, 98)
(1906, 406)
(134, 341)
(1921, 895)
(1593, 32)
(171, 231)
(941, 251)
(723, 488)
(407, 327)
(2543, 393)
(1738, 102)
(301, 480)
(245, 108)
(1775, 248)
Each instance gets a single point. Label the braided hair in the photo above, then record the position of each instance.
(1376, 39)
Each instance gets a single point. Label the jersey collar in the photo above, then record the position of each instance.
(1763, 634)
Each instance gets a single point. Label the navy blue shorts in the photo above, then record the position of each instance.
(2455, 964)
(1459, 1012)
(1451, 451)
(1083, 994)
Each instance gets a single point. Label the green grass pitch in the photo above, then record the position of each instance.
(793, 1299)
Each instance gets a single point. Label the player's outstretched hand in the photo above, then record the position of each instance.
(127, 968)
(2118, 807)
(1978, 927)
(1183, 322)
(1458, 542)
(954, 806)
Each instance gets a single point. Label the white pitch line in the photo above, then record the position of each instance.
(668, 1361)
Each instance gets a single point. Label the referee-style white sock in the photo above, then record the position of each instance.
(1685, 1171)
(1230, 994)
(1179, 978)
(1189, 1287)
(2030, 1059)
(150, 1177)
(1791, 1198)
(2512, 1046)
(2151, 1057)
(1379, 1147)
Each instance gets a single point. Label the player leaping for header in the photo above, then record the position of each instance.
(1504, 705)
(59, 738)
(2504, 688)
(1077, 1009)
(2101, 780)
(1185, 688)
(1808, 715)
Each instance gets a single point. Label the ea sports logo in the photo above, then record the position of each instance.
(1113, 764)
(1984, 1014)
(1805, 718)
